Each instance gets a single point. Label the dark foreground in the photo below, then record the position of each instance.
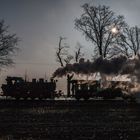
(69, 120)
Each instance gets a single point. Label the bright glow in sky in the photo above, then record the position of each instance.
(114, 30)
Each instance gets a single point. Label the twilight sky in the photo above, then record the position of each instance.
(39, 23)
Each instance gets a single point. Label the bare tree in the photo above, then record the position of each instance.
(8, 45)
(78, 53)
(64, 57)
(68, 59)
(129, 41)
(59, 52)
(62, 53)
(119, 50)
(101, 26)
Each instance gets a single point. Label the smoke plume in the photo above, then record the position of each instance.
(112, 66)
(132, 68)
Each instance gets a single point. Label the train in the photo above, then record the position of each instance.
(17, 87)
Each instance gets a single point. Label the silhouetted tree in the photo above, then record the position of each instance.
(68, 59)
(129, 41)
(59, 52)
(62, 53)
(119, 50)
(63, 56)
(78, 53)
(101, 26)
(8, 45)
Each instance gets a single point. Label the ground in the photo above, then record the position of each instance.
(69, 120)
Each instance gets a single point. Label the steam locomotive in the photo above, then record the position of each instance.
(17, 88)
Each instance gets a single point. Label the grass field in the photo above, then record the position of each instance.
(69, 120)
